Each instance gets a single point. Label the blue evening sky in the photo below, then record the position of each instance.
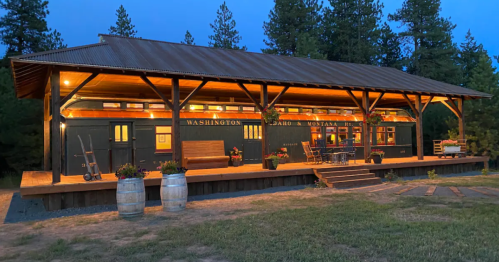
(80, 21)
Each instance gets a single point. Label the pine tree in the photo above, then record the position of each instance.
(290, 21)
(428, 40)
(390, 53)
(225, 34)
(189, 40)
(124, 26)
(469, 56)
(53, 41)
(307, 47)
(23, 28)
(352, 30)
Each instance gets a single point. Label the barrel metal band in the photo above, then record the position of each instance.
(173, 185)
(176, 199)
(125, 192)
(131, 204)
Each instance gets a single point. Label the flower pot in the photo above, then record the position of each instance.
(236, 163)
(270, 164)
(131, 197)
(377, 159)
(282, 161)
(173, 192)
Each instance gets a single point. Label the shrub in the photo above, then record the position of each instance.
(432, 174)
(485, 172)
(320, 183)
(130, 171)
(171, 167)
(391, 176)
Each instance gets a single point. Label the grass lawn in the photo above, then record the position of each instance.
(464, 181)
(334, 227)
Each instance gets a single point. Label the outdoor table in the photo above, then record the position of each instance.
(343, 158)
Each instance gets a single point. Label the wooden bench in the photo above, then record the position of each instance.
(204, 154)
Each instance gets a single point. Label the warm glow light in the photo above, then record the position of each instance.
(152, 116)
(219, 108)
(259, 137)
(63, 125)
(319, 135)
(66, 82)
(215, 116)
(192, 107)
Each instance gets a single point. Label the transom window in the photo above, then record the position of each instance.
(163, 138)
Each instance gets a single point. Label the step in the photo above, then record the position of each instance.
(337, 168)
(356, 182)
(349, 177)
(344, 173)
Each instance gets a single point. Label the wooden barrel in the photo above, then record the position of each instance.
(173, 192)
(131, 197)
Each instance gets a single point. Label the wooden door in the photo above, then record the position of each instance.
(121, 144)
(252, 143)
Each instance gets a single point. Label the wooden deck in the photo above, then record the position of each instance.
(38, 183)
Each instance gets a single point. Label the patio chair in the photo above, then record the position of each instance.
(320, 144)
(313, 155)
(348, 147)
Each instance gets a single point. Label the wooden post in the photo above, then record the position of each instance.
(55, 81)
(366, 127)
(419, 127)
(46, 132)
(460, 106)
(264, 99)
(176, 144)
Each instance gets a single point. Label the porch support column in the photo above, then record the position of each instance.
(176, 144)
(264, 99)
(366, 127)
(55, 81)
(46, 132)
(460, 106)
(419, 127)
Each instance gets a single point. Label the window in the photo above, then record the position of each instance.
(307, 110)
(121, 133)
(293, 110)
(357, 135)
(279, 109)
(342, 133)
(111, 105)
(380, 135)
(248, 108)
(331, 136)
(252, 132)
(156, 106)
(391, 135)
(215, 108)
(315, 134)
(134, 106)
(333, 111)
(163, 138)
(196, 107)
(320, 111)
(231, 108)
(348, 112)
(393, 113)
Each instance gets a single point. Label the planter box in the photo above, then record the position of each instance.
(452, 149)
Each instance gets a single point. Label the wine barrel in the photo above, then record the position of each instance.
(131, 197)
(173, 192)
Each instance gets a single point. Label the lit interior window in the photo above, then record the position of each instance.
(342, 133)
(348, 112)
(111, 105)
(315, 133)
(293, 110)
(321, 111)
(357, 135)
(252, 132)
(134, 105)
(249, 108)
(380, 135)
(156, 106)
(331, 136)
(117, 133)
(215, 108)
(163, 138)
(391, 135)
(231, 108)
(307, 110)
(196, 107)
(333, 111)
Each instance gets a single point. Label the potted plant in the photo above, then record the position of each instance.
(272, 161)
(270, 115)
(130, 191)
(377, 155)
(173, 186)
(451, 146)
(373, 119)
(236, 157)
(283, 154)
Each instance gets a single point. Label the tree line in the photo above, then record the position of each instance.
(345, 30)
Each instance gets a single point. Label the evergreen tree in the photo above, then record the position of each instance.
(53, 41)
(189, 40)
(352, 30)
(428, 40)
(307, 47)
(390, 53)
(291, 22)
(23, 27)
(124, 26)
(225, 34)
(469, 56)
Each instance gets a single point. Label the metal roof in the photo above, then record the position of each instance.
(116, 52)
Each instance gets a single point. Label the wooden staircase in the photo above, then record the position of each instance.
(347, 176)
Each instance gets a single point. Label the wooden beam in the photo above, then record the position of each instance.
(72, 93)
(460, 106)
(193, 93)
(450, 104)
(46, 80)
(356, 101)
(241, 85)
(176, 142)
(414, 110)
(55, 81)
(427, 103)
(272, 104)
(419, 128)
(376, 101)
(366, 127)
(46, 132)
(265, 127)
(153, 87)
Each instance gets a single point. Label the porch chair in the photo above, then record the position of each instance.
(320, 144)
(348, 147)
(313, 155)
